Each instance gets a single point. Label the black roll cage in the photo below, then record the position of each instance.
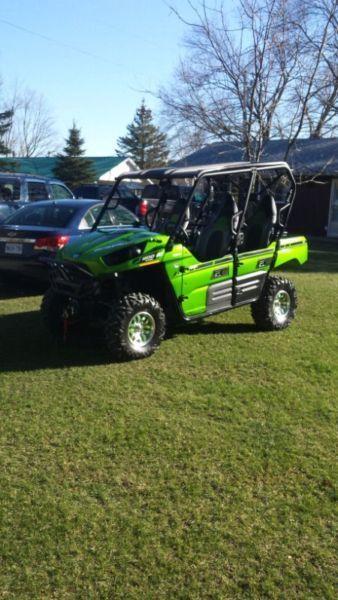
(197, 173)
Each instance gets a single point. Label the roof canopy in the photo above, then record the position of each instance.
(198, 170)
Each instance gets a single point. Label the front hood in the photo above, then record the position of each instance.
(92, 246)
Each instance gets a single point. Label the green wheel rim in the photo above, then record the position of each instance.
(141, 329)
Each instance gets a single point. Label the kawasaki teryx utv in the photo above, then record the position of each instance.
(214, 235)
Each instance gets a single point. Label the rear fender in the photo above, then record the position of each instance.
(292, 249)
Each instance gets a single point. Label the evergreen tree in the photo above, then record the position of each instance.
(144, 142)
(5, 124)
(71, 166)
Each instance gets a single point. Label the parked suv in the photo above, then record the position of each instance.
(21, 187)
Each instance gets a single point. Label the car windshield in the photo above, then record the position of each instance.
(51, 215)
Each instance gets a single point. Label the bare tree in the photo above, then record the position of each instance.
(320, 35)
(33, 128)
(182, 138)
(274, 75)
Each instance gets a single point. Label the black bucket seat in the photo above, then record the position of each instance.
(214, 238)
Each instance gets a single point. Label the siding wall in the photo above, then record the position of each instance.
(310, 212)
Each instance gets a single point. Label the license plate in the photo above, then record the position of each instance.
(13, 248)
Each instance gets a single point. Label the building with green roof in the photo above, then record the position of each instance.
(106, 168)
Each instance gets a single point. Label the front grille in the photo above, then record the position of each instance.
(71, 271)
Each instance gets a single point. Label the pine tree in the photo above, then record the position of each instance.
(71, 166)
(5, 124)
(144, 142)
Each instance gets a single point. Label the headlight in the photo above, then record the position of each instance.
(120, 256)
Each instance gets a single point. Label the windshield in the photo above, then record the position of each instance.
(166, 202)
(45, 216)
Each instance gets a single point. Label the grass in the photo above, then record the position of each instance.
(206, 471)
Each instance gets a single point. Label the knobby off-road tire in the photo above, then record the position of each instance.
(52, 309)
(277, 305)
(135, 326)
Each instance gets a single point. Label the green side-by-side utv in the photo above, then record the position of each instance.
(213, 236)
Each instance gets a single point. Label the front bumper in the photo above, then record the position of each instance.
(71, 279)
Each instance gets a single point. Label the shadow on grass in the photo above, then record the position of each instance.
(10, 289)
(26, 346)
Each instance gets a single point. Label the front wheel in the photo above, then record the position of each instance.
(277, 305)
(58, 313)
(135, 326)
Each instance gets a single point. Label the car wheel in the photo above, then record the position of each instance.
(135, 326)
(276, 307)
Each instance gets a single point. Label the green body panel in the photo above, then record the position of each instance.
(90, 249)
(256, 260)
(292, 249)
(190, 279)
(198, 276)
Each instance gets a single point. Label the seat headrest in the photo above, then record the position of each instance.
(226, 202)
(172, 192)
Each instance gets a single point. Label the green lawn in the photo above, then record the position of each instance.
(206, 471)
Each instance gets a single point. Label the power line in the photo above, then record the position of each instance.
(59, 43)
(118, 30)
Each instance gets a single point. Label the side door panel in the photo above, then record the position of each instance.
(206, 287)
(251, 274)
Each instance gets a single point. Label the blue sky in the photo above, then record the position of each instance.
(108, 51)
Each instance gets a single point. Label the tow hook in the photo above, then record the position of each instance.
(69, 317)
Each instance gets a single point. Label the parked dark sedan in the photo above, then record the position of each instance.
(40, 229)
(7, 209)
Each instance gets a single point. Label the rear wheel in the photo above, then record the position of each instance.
(135, 326)
(276, 307)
